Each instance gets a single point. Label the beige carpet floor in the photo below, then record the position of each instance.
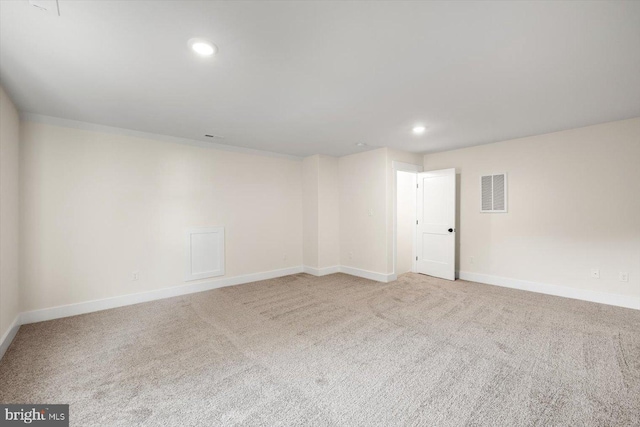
(337, 350)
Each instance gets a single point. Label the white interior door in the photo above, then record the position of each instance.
(436, 216)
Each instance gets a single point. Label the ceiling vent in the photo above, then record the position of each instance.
(493, 190)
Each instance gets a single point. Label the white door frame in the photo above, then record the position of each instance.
(404, 167)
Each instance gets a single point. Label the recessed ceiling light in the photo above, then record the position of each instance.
(202, 47)
(419, 129)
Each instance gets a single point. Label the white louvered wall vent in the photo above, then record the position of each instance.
(493, 190)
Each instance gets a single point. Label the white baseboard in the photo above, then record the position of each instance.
(371, 275)
(121, 301)
(321, 271)
(8, 336)
(124, 300)
(560, 291)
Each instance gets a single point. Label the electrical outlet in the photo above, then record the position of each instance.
(595, 273)
(350, 254)
(284, 258)
(135, 276)
(473, 260)
(624, 276)
(370, 212)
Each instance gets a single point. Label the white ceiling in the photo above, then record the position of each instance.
(317, 77)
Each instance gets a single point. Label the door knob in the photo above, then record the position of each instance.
(451, 230)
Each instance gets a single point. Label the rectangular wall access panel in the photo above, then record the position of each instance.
(205, 253)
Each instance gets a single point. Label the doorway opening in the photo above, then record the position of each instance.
(424, 221)
(404, 217)
(406, 222)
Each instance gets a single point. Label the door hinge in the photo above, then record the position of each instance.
(417, 185)
(416, 258)
(416, 222)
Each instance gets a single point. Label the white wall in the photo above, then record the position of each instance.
(328, 212)
(310, 167)
(9, 216)
(363, 210)
(574, 205)
(367, 187)
(406, 217)
(321, 211)
(97, 207)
